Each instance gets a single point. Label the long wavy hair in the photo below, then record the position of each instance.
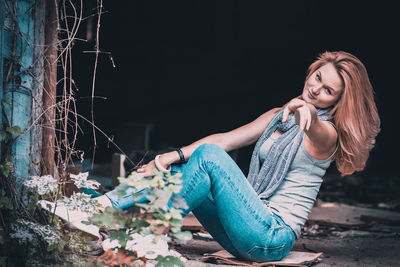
(355, 114)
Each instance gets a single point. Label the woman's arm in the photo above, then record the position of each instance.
(237, 138)
(321, 136)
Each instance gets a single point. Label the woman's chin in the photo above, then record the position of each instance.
(308, 100)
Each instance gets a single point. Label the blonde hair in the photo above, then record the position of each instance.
(355, 114)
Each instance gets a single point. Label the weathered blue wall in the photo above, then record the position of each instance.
(20, 45)
(1, 57)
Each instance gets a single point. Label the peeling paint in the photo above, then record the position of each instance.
(21, 41)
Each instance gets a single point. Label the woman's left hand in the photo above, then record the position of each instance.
(304, 113)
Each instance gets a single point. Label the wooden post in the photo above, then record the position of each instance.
(49, 93)
(39, 13)
(117, 167)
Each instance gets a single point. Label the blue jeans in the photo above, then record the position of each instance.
(219, 195)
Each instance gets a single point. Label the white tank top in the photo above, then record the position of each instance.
(295, 196)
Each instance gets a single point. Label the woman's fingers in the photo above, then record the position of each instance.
(309, 119)
(290, 108)
(142, 168)
(285, 114)
(145, 172)
(147, 169)
(304, 118)
(302, 112)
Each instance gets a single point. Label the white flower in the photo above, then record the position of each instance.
(36, 263)
(80, 202)
(24, 231)
(176, 254)
(147, 246)
(81, 181)
(23, 235)
(42, 184)
(110, 244)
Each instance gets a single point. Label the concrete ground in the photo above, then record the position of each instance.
(348, 248)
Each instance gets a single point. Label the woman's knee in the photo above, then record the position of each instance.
(207, 154)
(207, 150)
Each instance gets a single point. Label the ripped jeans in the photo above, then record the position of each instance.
(219, 195)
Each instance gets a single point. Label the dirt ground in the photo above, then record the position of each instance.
(357, 249)
(377, 246)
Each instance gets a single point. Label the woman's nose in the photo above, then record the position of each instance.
(316, 90)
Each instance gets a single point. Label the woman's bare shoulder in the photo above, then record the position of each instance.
(329, 139)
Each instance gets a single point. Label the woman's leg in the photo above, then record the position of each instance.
(122, 202)
(249, 227)
(207, 215)
(233, 214)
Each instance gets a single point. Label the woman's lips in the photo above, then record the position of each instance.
(310, 95)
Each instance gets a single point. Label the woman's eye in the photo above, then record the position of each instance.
(318, 76)
(328, 91)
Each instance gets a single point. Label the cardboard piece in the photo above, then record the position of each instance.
(347, 216)
(295, 258)
(190, 223)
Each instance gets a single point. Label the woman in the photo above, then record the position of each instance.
(259, 218)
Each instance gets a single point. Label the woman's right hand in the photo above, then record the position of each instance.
(304, 112)
(147, 169)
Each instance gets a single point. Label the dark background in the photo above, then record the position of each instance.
(192, 68)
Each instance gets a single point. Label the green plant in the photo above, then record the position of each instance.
(29, 236)
(159, 218)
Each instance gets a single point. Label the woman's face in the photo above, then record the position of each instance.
(324, 87)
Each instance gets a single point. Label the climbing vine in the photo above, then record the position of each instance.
(30, 235)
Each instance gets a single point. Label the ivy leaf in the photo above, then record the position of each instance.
(139, 185)
(121, 236)
(161, 237)
(176, 179)
(175, 188)
(52, 247)
(176, 223)
(139, 224)
(112, 218)
(173, 214)
(179, 202)
(16, 130)
(150, 197)
(132, 178)
(157, 181)
(143, 205)
(4, 136)
(2, 236)
(158, 173)
(159, 223)
(7, 168)
(183, 237)
(5, 203)
(121, 188)
(168, 261)
(7, 101)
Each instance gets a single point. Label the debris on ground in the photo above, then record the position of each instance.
(345, 234)
(295, 258)
(355, 222)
